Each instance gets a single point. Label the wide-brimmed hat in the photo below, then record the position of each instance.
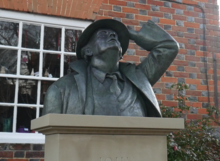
(117, 26)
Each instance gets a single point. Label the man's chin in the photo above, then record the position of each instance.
(112, 53)
(113, 48)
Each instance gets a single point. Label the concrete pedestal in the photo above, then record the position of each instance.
(105, 138)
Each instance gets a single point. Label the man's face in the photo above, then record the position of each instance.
(103, 40)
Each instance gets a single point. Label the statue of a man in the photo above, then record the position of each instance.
(101, 85)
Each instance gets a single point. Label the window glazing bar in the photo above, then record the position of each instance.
(62, 50)
(28, 77)
(36, 50)
(15, 107)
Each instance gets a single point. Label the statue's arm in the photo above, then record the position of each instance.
(53, 100)
(163, 49)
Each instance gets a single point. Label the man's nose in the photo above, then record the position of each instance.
(112, 34)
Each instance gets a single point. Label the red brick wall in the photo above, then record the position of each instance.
(86, 9)
(21, 152)
(185, 24)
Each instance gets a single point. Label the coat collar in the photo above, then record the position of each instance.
(100, 75)
(79, 66)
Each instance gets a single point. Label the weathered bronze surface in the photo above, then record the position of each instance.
(101, 85)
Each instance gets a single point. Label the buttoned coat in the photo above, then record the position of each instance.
(69, 94)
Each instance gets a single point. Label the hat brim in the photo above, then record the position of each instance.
(118, 27)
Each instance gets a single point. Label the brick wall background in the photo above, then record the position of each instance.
(21, 152)
(86, 9)
(183, 22)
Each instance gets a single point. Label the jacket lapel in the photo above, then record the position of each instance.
(138, 78)
(80, 67)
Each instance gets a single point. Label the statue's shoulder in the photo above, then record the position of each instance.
(79, 68)
(71, 81)
(66, 81)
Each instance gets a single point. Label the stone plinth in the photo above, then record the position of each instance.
(105, 138)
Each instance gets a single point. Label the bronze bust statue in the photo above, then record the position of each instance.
(101, 85)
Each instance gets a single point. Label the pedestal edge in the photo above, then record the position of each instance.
(92, 124)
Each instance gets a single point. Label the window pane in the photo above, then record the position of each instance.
(9, 33)
(8, 61)
(52, 38)
(6, 118)
(71, 37)
(29, 63)
(41, 112)
(27, 91)
(67, 60)
(44, 86)
(51, 65)
(31, 36)
(24, 117)
(7, 90)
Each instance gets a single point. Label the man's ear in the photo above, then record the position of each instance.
(88, 52)
(120, 54)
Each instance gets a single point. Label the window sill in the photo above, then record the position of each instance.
(31, 138)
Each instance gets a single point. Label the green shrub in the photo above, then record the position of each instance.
(196, 142)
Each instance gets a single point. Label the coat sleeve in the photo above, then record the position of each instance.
(53, 100)
(163, 49)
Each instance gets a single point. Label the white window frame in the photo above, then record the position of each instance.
(41, 20)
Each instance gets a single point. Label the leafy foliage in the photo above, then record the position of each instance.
(196, 142)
